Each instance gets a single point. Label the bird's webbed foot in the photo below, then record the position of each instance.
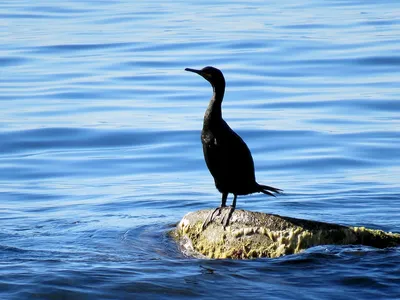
(227, 216)
(211, 216)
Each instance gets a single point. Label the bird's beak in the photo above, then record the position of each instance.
(205, 75)
(193, 70)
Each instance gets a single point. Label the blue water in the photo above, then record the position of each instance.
(100, 149)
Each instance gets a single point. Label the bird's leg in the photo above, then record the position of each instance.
(223, 200)
(228, 215)
(212, 214)
(234, 201)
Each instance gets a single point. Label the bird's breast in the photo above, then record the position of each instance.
(209, 140)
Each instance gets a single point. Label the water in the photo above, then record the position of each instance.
(101, 155)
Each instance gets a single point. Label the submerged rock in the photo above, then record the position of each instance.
(254, 234)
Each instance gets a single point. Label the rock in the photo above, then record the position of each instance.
(254, 234)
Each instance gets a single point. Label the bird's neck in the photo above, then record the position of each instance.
(213, 114)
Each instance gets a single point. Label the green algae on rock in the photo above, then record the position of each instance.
(254, 234)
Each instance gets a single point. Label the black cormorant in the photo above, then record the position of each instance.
(227, 156)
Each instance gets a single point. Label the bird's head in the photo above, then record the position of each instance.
(211, 74)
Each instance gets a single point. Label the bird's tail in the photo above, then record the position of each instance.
(269, 190)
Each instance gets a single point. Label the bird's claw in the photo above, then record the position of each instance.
(227, 216)
(210, 217)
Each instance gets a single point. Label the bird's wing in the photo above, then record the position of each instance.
(228, 158)
(239, 156)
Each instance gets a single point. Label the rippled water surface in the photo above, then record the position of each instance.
(100, 152)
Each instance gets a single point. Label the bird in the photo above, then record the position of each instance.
(227, 156)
